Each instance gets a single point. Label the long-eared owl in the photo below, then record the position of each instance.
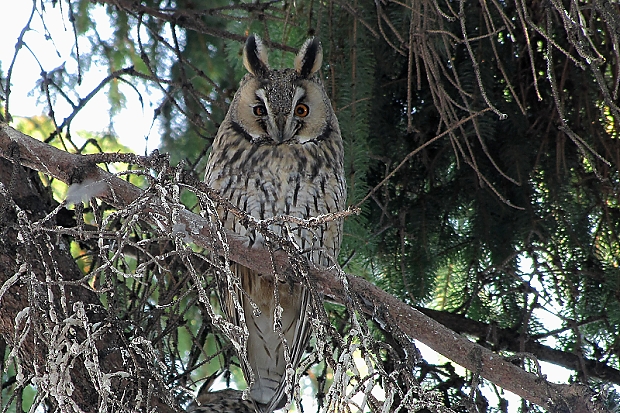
(279, 152)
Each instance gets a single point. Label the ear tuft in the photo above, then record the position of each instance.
(308, 60)
(255, 55)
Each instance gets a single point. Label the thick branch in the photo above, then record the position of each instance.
(509, 340)
(375, 302)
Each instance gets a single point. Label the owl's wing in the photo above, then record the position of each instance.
(265, 348)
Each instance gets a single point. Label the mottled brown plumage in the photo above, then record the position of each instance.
(222, 401)
(279, 152)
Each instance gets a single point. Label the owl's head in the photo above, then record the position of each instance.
(286, 106)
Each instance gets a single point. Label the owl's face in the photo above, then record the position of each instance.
(286, 106)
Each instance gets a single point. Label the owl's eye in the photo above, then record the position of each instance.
(302, 110)
(259, 110)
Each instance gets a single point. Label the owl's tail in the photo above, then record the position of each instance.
(265, 348)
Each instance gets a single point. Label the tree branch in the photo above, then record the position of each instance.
(376, 303)
(509, 340)
(192, 20)
(24, 291)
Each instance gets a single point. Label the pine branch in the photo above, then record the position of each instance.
(193, 21)
(508, 340)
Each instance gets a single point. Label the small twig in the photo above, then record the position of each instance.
(418, 149)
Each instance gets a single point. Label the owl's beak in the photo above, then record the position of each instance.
(281, 130)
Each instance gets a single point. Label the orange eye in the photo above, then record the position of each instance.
(302, 110)
(259, 110)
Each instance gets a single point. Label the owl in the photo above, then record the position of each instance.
(278, 152)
